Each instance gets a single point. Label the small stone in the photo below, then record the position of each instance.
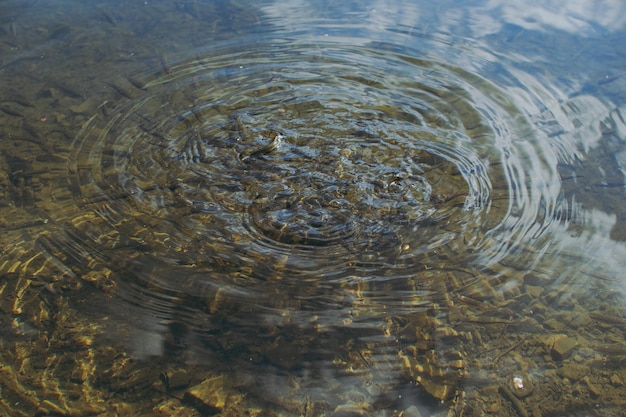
(173, 407)
(616, 381)
(349, 410)
(562, 347)
(573, 371)
(209, 396)
(47, 407)
(580, 319)
(554, 324)
(528, 325)
(595, 390)
(176, 379)
(534, 291)
(440, 389)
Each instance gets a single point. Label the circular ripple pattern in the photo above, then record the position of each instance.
(282, 205)
(306, 169)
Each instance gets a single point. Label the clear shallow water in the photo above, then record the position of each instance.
(288, 209)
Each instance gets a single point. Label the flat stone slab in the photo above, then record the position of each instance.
(209, 396)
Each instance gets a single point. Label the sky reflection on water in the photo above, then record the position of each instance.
(329, 204)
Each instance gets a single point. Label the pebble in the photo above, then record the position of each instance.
(562, 347)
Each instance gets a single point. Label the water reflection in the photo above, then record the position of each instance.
(575, 17)
(303, 210)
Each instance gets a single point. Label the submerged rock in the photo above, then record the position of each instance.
(562, 347)
(209, 396)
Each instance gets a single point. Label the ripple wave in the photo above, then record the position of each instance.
(312, 186)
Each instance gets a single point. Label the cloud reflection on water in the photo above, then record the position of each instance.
(566, 109)
(578, 17)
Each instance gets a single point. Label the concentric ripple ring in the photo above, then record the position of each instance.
(296, 164)
(290, 154)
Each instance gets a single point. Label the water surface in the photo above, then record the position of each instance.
(284, 208)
